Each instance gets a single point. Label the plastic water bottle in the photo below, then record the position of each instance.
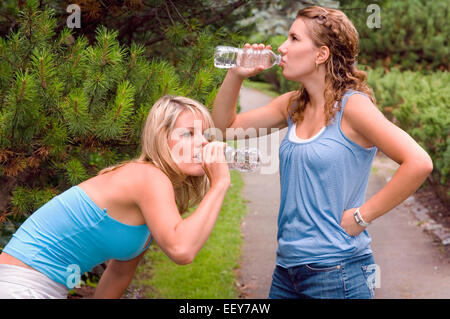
(229, 57)
(243, 159)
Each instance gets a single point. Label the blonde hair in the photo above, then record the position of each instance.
(189, 190)
(332, 28)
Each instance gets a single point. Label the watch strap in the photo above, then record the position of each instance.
(359, 218)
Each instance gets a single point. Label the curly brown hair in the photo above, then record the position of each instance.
(332, 28)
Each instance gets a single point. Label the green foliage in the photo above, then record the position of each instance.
(26, 199)
(75, 171)
(19, 117)
(68, 107)
(414, 35)
(418, 103)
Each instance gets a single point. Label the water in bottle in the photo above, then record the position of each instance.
(227, 57)
(243, 159)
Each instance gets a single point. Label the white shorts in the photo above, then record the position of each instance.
(18, 282)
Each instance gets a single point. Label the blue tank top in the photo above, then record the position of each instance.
(70, 234)
(320, 178)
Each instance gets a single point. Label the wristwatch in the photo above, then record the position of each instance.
(359, 218)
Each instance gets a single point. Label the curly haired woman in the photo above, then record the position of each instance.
(114, 215)
(334, 131)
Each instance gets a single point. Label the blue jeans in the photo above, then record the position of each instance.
(352, 278)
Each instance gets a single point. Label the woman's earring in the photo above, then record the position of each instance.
(317, 65)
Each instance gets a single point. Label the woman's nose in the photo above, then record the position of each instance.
(204, 140)
(201, 140)
(282, 48)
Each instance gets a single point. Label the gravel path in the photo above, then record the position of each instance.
(411, 264)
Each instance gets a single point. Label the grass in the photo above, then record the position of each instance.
(265, 88)
(212, 274)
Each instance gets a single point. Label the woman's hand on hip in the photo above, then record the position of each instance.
(349, 223)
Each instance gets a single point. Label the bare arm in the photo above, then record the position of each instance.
(181, 243)
(272, 115)
(116, 278)
(181, 239)
(415, 163)
(224, 109)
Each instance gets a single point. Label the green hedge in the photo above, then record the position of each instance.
(419, 104)
(414, 35)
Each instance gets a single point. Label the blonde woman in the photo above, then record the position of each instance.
(114, 215)
(334, 131)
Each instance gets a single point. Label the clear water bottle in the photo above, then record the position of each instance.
(243, 159)
(228, 57)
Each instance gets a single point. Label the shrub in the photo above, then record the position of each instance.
(414, 35)
(68, 108)
(418, 103)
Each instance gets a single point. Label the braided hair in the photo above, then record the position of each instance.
(331, 28)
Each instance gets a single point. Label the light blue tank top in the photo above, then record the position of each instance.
(70, 234)
(320, 178)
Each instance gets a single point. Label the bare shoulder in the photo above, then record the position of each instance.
(152, 192)
(370, 123)
(360, 111)
(150, 188)
(361, 120)
(359, 102)
(283, 101)
(147, 174)
(136, 180)
(371, 126)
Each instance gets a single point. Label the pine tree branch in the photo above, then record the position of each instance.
(155, 40)
(168, 13)
(9, 18)
(216, 18)
(179, 14)
(222, 15)
(9, 61)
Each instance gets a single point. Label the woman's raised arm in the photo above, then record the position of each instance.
(181, 239)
